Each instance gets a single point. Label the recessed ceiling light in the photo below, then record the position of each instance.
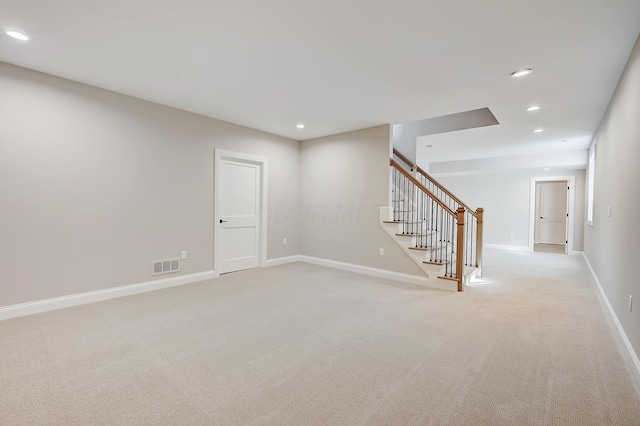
(300, 126)
(521, 73)
(538, 131)
(545, 169)
(533, 108)
(429, 146)
(17, 35)
(564, 140)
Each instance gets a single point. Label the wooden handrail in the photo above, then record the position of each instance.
(445, 190)
(423, 188)
(435, 182)
(458, 215)
(403, 158)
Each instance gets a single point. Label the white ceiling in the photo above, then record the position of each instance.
(340, 65)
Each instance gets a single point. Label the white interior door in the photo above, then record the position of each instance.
(239, 199)
(552, 212)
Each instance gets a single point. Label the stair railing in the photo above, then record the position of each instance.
(473, 218)
(435, 228)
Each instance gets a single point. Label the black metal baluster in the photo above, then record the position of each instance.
(434, 253)
(405, 207)
(443, 237)
(466, 244)
(414, 189)
(396, 191)
(454, 244)
(420, 214)
(448, 248)
(469, 224)
(442, 232)
(401, 203)
(394, 198)
(445, 246)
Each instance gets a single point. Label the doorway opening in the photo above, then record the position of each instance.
(551, 214)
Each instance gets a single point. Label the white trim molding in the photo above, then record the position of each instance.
(522, 248)
(46, 305)
(282, 260)
(359, 269)
(263, 164)
(570, 207)
(39, 306)
(366, 270)
(616, 321)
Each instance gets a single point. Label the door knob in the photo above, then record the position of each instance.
(222, 221)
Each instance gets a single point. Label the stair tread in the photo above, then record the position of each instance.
(421, 248)
(440, 246)
(424, 245)
(447, 278)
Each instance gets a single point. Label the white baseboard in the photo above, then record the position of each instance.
(366, 270)
(614, 317)
(39, 306)
(507, 247)
(520, 248)
(282, 260)
(46, 305)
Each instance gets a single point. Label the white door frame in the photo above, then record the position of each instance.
(262, 162)
(570, 206)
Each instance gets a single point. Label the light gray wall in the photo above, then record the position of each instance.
(505, 196)
(345, 180)
(612, 245)
(405, 135)
(95, 185)
(403, 138)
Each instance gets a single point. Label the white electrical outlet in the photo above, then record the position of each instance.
(381, 251)
(284, 241)
(511, 234)
(609, 211)
(630, 303)
(183, 254)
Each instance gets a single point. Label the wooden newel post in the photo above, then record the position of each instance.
(460, 249)
(479, 237)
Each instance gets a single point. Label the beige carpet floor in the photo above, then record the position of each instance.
(304, 345)
(549, 248)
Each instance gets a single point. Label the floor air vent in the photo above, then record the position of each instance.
(165, 266)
